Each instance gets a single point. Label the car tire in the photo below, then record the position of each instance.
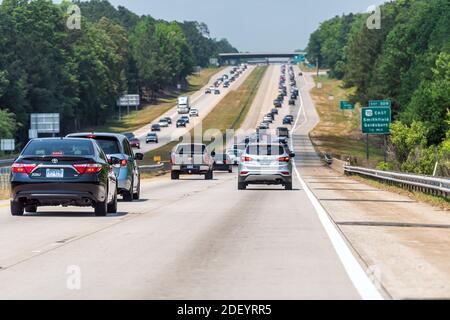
(17, 208)
(174, 175)
(31, 209)
(242, 186)
(230, 170)
(209, 175)
(101, 208)
(137, 194)
(112, 206)
(128, 194)
(288, 186)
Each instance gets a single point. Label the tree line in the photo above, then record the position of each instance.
(406, 60)
(47, 67)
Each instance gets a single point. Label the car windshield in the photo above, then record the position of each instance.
(59, 147)
(191, 149)
(265, 149)
(129, 135)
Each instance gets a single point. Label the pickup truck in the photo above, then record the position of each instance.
(191, 158)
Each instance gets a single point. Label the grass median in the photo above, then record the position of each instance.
(138, 119)
(229, 113)
(338, 132)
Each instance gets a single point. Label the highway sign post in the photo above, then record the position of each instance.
(127, 101)
(346, 105)
(376, 119)
(7, 145)
(45, 123)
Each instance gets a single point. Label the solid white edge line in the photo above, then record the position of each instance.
(355, 272)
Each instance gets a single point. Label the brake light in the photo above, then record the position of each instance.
(23, 167)
(123, 163)
(284, 159)
(244, 173)
(91, 136)
(88, 168)
(285, 173)
(246, 159)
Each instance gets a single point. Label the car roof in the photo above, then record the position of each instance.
(97, 134)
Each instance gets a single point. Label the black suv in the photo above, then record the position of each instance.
(63, 171)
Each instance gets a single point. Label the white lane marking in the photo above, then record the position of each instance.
(355, 272)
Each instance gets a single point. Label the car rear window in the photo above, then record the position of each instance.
(59, 148)
(265, 149)
(191, 149)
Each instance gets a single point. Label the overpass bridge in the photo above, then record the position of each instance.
(227, 58)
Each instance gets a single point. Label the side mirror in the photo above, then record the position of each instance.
(213, 154)
(139, 156)
(114, 161)
(292, 155)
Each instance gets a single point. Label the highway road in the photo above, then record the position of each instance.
(205, 103)
(190, 239)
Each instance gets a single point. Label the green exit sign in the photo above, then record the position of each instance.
(299, 58)
(380, 103)
(346, 105)
(376, 120)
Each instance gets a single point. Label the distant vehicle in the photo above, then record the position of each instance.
(151, 137)
(267, 119)
(163, 123)
(208, 91)
(277, 103)
(185, 118)
(291, 102)
(181, 123)
(63, 171)
(287, 120)
(135, 143)
(263, 126)
(274, 111)
(222, 162)
(129, 135)
(226, 85)
(234, 156)
(268, 164)
(216, 91)
(191, 158)
(183, 105)
(193, 112)
(156, 127)
(126, 170)
(168, 119)
(283, 132)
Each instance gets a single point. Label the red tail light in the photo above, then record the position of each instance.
(88, 168)
(23, 167)
(285, 173)
(123, 163)
(246, 159)
(244, 173)
(284, 159)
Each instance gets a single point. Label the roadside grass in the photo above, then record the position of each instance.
(338, 132)
(437, 201)
(4, 194)
(140, 118)
(229, 113)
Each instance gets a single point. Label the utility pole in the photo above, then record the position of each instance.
(317, 64)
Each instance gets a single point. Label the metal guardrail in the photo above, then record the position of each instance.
(6, 161)
(4, 182)
(154, 167)
(425, 184)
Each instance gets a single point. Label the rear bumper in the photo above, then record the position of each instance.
(196, 169)
(265, 178)
(222, 167)
(78, 194)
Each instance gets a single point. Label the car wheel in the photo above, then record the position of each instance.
(288, 186)
(230, 169)
(128, 194)
(31, 209)
(101, 208)
(242, 185)
(112, 206)
(137, 194)
(17, 208)
(174, 175)
(209, 175)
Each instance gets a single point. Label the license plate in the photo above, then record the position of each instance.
(219, 162)
(190, 167)
(54, 173)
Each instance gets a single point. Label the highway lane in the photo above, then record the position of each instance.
(190, 238)
(205, 103)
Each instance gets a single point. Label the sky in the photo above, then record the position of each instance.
(253, 25)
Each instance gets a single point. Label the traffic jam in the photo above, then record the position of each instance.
(92, 169)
